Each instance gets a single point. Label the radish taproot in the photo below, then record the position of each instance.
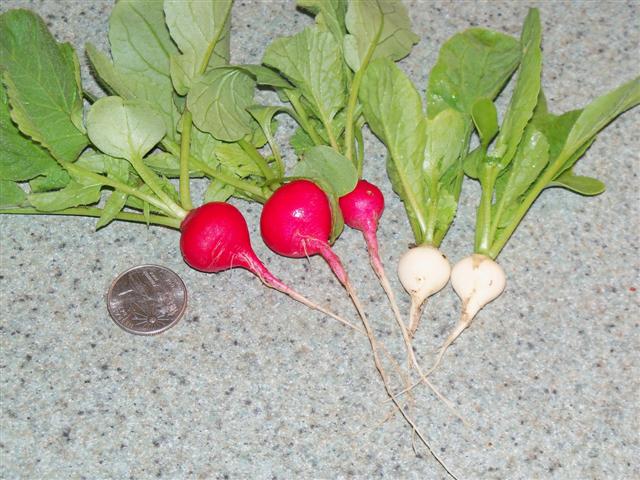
(423, 271)
(361, 210)
(215, 237)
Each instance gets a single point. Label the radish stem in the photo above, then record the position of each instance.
(117, 185)
(355, 88)
(249, 188)
(97, 212)
(258, 159)
(151, 179)
(303, 118)
(185, 145)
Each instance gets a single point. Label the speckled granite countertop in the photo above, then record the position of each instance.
(250, 385)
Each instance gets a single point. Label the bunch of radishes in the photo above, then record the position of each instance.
(335, 78)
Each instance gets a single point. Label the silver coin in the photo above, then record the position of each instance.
(147, 299)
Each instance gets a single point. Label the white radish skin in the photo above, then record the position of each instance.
(478, 280)
(423, 271)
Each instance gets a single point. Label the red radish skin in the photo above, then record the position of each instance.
(296, 222)
(363, 206)
(215, 237)
(361, 210)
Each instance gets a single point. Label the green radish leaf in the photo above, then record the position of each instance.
(445, 134)
(579, 184)
(138, 204)
(168, 165)
(363, 20)
(11, 195)
(141, 49)
(235, 160)
(324, 164)
(597, 115)
(265, 76)
(41, 77)
(21, 159)
(218, 102)
(577, 155)
(542, 108)
(203, 145)
(300, 141)
(393, 109)
(485, 119)
(471, 65)
(525, 94)
(131, 85)
(124, 128)
(140, 41)
(337, 220)
(311, 60)
(472, 163)
(529, 162)
(218, 191)
(442, 167)
(556, 129)
(268, 126)
(264, 116)
(200, 29)
(101, 163)
(446, 212)
(73, 195)
(53, 179)
(112, 207)
(330, 15)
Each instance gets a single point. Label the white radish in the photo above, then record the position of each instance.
(478, 280)
(423, 271)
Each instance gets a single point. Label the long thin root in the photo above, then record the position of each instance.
(385, 381)
(462, 325)
(378, 268)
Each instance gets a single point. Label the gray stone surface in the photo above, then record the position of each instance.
(252, 385)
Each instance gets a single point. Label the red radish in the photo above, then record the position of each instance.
(296, 222)
(361, 210)
(215, 237)
(363, 207)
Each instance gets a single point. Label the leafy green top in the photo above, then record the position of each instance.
(425, 150)
(534, 149)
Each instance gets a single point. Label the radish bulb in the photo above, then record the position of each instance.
(215, 237)
(478, 280)
(423, 271)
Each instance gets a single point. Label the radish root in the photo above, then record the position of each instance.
(462, 325)
(415, 312)
(385, 380)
